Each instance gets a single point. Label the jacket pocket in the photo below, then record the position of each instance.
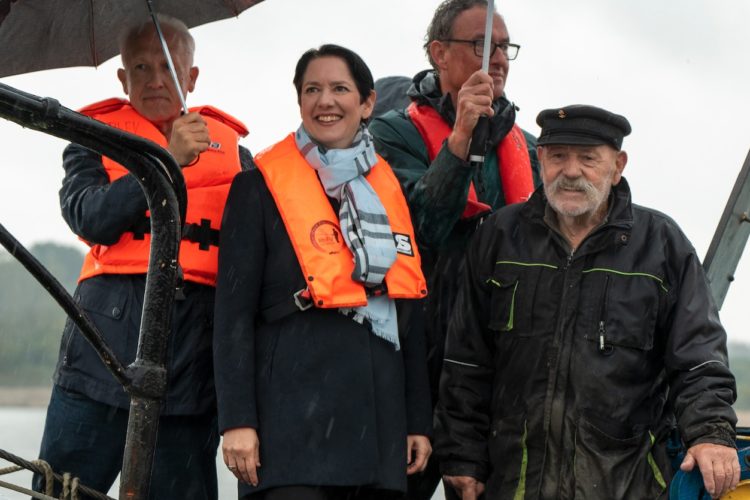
(622, 310)
(523, 298)
(503, 303)
(105, 306)
(608, 467)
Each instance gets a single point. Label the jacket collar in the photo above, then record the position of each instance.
(619, 216)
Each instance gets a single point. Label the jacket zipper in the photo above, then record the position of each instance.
(67, 347)
(603, 347)
(552, 420)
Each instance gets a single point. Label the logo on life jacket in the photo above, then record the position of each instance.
(326, 236)
(403, 244)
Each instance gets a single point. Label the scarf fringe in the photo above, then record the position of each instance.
(358, 315)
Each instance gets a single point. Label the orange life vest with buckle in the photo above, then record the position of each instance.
(313, 228)
(512, 157)
(207, 183)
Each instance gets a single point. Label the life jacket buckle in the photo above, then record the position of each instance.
(377, 290)
(302, 299)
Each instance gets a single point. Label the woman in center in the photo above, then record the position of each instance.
(318, 345)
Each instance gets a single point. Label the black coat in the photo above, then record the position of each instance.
(332, 403)
(564, 372)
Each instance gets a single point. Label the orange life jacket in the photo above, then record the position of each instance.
(313, 228)
(512, 157)
(207, 183)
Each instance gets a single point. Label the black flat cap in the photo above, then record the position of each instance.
(583, 125)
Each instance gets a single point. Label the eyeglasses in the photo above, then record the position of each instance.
(510, 50)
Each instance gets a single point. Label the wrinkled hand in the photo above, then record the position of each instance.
(189, 138)
(467, 487)
(718, 464)
(241, 450)
(473, 100)
(418, 450)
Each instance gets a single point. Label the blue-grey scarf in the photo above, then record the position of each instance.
(363, 220)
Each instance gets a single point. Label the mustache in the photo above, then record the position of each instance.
(577, 184)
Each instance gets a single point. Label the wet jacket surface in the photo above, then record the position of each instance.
(436, 193)
(565, 371)
(332, 402)
(100, 211)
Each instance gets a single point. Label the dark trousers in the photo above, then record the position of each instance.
(87, 439)
(324, 493)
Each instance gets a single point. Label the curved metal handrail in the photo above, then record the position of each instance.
(161, 180)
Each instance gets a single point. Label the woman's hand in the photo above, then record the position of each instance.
(418, 450)
(241, 450)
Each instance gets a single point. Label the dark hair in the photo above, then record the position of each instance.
(357, 67)
(441, 26)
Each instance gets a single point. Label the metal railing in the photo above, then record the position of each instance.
(164, 186)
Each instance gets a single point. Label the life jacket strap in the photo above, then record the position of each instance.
(302, 300)
(201, 233)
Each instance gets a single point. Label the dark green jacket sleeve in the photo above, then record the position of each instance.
(436, 192)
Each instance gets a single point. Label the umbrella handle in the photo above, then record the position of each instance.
(168, 56)
(481, 132)
(487, 34)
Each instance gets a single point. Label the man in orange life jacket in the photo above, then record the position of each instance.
(105, 206)
(427, 146)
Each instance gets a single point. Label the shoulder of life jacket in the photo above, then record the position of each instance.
(115, 103)
(103, 107)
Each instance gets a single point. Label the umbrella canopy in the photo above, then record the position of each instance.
(47, 34)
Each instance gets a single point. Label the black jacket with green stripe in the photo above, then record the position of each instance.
(565, 371)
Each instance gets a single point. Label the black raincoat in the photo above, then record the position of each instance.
(565, 372)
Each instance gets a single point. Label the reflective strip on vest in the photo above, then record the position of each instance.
(513, 159)
(313, 228)
(207, 183)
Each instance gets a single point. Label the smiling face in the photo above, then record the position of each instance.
(330, 104)
(457, 61)
(578, 179)
(147, 81)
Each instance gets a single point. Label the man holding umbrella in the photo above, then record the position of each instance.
(104, 205)
(427, 145)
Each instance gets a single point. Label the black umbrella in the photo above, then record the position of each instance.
(48, 34)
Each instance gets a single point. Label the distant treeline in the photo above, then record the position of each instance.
(31, 322)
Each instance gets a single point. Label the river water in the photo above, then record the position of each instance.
(21, 432)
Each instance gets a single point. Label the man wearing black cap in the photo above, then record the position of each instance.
(584, 334)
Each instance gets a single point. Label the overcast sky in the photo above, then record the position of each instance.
(677, 69)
